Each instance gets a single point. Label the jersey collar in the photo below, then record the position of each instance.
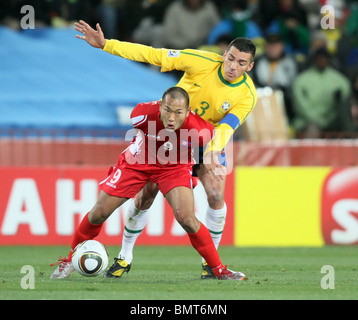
(230, 84)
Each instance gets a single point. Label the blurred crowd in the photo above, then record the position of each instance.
(306, 48)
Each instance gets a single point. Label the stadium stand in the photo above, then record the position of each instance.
(52, 81)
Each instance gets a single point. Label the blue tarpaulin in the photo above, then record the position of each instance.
(49, 78)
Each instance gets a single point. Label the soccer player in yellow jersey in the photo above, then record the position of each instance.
(220, 91)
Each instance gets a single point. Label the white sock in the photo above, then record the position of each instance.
(136, 220)
(215, 222)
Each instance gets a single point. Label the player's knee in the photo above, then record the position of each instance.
(146, 197)
(98, 214)
(144, 202)
(216, 199)
(187, 221)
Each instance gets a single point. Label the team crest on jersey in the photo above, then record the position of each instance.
(168, 146)
(226, 106)
(173, 53)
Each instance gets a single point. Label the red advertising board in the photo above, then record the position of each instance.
(339, 215)
(44, 205)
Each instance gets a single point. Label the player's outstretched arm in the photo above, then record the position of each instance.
(93, 37)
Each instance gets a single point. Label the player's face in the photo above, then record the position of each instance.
(173, 112)
(236, 63)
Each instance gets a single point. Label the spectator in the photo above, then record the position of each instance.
(321, 99)
(291, 24)
(347, 45)
(267, 11)
(237, 22)
(109, 13)
(317, 40)
(276, 69)
(150, 30)
(354, 98)
(65, 12)
(312, 9)
(334, 33)
(220, 46)
(187, 23)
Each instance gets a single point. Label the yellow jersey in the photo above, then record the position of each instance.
(225, 104)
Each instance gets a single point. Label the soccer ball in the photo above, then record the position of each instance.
(90, 258)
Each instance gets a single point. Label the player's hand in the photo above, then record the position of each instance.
(93, 37)
(213, 167)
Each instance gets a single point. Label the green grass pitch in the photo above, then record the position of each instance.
(173, 273)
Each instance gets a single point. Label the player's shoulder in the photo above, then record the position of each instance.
(143, 112)
(249, 81)
(206, 56)
(146, 108)
(250, 85)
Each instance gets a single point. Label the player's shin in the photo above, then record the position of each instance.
(85, 231)
(215, 222)
(136, 220)
(203, 243)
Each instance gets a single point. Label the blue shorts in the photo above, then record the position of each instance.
(221, 157)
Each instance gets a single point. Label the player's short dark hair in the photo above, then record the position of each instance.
(177, 93)
(244, 45)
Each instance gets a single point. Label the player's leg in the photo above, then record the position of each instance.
(91, 224)
(136, 219)
(88, 229)
(181, 199)
(216, 212)
(146, 196)
(120, 185)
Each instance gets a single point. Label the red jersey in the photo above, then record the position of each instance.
(153, 144)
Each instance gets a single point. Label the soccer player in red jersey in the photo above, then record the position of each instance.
(220, 91)
(161, 152)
